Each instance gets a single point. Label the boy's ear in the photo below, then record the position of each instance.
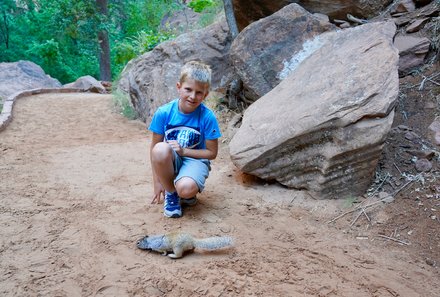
(206, 95)
(178, 85)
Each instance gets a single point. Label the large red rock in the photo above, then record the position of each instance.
(323, 127)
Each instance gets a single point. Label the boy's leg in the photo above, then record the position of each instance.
(192, 176)
(162, 162)
(186, 187)
(163, 159)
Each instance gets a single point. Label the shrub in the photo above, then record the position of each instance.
(123, 105)
(200, 5)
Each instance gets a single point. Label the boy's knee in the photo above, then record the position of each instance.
(186, 187)
(161, 152)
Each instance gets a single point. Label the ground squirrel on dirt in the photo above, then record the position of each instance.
(178, 243)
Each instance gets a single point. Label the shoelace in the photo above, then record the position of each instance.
(172, 200)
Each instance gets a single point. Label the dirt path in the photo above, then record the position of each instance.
(74, 198)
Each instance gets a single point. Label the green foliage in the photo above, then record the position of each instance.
(200, 5)
(350, 201)
(146, 41)
(124, 52)
(61, 35)
(210, 13)
(123, 105)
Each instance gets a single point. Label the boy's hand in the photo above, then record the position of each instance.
(158, 192)
(176, 147)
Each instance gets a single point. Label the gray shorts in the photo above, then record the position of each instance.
(197, 169)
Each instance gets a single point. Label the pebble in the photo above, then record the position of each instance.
(423, 165)
(387, 198)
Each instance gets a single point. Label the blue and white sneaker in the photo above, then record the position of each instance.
(171, 205)
(189, 202)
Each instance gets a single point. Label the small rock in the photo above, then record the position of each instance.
(345, 25)
(322, 17)
(404, 6)
(411, 136)
(430, 262)
(412, 51)
(387, 198)
(422, 154)
(403, 128)
(430, 105)
(417, 25)
(423, 165)
(434, 129)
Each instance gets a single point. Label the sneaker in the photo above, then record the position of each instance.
(189, 202)
(171, 206)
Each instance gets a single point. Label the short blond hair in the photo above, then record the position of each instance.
(197, 71)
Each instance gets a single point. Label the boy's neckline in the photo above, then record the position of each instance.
(184, 113)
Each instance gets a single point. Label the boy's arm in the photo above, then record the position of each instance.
(209, 153)
(157, 187)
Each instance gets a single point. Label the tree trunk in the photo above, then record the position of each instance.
(230, 18)
(4, 30)
(105, 73)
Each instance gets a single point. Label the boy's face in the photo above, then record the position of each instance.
(191, 94)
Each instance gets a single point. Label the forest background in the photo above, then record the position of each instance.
(70, 39)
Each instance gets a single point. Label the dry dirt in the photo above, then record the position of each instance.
(75, 197)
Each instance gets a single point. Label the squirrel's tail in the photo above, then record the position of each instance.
(213, 243)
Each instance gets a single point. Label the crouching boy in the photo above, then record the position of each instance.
(185, 138)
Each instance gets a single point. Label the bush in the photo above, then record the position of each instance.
(146, 41)
(200, 5)
(123, 105)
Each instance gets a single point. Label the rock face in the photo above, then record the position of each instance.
(151, 79)
(323, 127)
(249, 11)
(21, 76)
(260, 54)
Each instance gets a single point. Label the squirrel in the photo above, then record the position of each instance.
(178, 243)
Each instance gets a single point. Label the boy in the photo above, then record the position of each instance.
(185, 138)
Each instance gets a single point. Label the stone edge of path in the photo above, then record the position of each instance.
(8, 104)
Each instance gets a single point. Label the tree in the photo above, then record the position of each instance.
(230, 18)
(104, 44)
(235, 85)
(5, 10)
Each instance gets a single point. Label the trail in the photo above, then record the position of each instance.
(75, 197)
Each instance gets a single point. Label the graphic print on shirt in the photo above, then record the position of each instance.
(187, 137)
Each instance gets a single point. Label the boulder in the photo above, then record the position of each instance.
(21, 76)
(88, 83)
(412, 51)
(151, 78)
(260, 54)
(323, 127)
(248, 11)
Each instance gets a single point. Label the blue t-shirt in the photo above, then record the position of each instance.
(190, 130)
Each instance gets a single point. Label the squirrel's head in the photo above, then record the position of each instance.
(144, 244)
(153, 242)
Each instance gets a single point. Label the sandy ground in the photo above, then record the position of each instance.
(75, 197)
